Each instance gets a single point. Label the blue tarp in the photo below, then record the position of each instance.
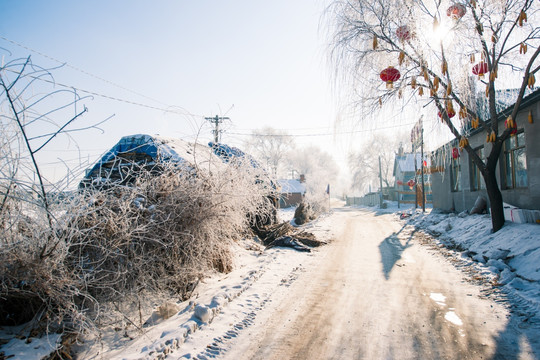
(228, 153)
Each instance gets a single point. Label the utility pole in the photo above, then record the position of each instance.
(380, 185)
(216, 120)
(422, 163)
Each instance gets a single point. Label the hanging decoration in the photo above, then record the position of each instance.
(463, 142)
(531, 81)
(425, 73)
(413, 82)
(455, 153)
(530, 117)
(421, 91)
(491, 137)
(399, 182)
(436, 81)
(522, 18)
(509, 123)
(480, 69)
(401, 57)
(451, 113)
(456, 11)
(462, 113)
(523, 48)
(403, 33)
(475, 122)
(444, 67)
(389, 75)
(375, 42)
(411, 183)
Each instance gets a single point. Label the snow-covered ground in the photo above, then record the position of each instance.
(512, 254)
(222, 304)
(225, 304)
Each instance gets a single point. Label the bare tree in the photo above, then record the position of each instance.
(270, 146)
(364, 163)
(432, 43)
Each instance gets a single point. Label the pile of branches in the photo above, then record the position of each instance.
(106, 249)
(286, 235)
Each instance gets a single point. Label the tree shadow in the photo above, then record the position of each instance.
(517, 332)
(391, 249)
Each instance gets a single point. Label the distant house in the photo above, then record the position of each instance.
(408, 178)
(460, 183)
(291, 191)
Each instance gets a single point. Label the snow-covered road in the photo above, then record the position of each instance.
(379, 290)
(377, 293)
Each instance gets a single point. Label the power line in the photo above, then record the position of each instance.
(185, 112)
(81, 70)
(324, 134)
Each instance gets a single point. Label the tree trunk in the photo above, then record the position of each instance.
(495, 199)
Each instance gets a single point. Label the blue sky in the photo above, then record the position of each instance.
(262, 63)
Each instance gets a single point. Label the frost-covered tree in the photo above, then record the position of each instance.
(364, 163)
(318, 166)
(270, 146)
(434, 46)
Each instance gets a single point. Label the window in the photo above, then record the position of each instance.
(477, 180)
(515, 162)
(455, 169)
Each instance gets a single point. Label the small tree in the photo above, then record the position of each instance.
(433, 44)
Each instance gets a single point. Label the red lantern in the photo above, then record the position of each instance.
(456, 11)
(451, 113)
(399, 182)
(411, 183)
(455, 153)
(389, 75)
(480, 69)
(403, 33)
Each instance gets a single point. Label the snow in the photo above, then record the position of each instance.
(511, 255)
(225, 304)
(288, 186)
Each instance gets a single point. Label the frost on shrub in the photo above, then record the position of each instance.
(159, 236)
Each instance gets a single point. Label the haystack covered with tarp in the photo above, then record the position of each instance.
(136, 153)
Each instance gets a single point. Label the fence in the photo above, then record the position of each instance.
(366, 200)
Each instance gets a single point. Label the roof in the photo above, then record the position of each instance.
(288, 186)
(405, 162)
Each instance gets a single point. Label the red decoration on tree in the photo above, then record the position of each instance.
(456, 11)
(403, 33)
(512, 126)
(455, 153)
(451, 113)
(411, 183)
(399, 182)
(480, 69)
(389, 75)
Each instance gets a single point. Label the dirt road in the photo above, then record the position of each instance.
(377, 293)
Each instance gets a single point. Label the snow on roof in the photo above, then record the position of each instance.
(406, 161)
(288, 186)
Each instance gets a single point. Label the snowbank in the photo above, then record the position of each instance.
(512, 254)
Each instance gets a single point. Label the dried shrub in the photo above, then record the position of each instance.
(108, 247)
